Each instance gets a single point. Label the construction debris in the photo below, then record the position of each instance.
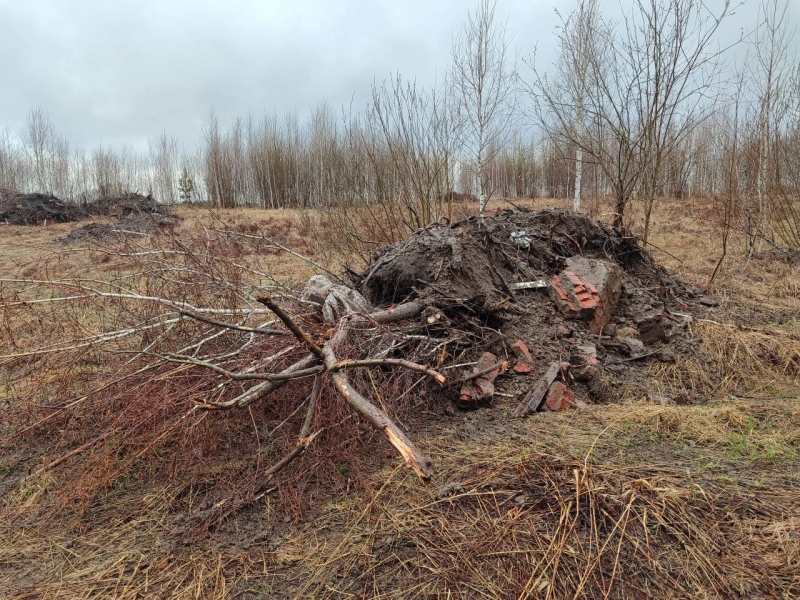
(480, 384)
(437, 314)
(604, 318)
(558, 398)
(533, 399)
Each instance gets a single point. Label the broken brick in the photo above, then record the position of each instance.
(522, 352)
(522, 367)
(481, 387)
(588, 289)
(559, 397)
(524, 357)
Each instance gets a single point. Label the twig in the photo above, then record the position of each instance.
(301, 335)
(475, 375)
(190, 360)
(210, 321)
(262, 389)
(396, 362)
(284, 248)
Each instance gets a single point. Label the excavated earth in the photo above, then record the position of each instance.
(467, 274)
(35, 209)
(128, 212)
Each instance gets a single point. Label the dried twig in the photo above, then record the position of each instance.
(394, 362)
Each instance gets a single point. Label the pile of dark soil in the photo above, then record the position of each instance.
(468, 271)
(36, 209)
(143, 224)
(125, 205)
(130, 213)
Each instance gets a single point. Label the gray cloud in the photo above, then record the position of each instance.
(122, 72)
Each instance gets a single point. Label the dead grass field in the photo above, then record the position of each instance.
(626, 500)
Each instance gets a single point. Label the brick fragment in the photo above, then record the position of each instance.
(522, 367)
(559, 397)
(524, 357)
(481, 388)
(587, 289)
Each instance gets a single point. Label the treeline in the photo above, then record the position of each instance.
(649, 106)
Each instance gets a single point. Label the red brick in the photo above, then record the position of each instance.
(522, 367)
(559, 398)
(522, 352)
(588, 289)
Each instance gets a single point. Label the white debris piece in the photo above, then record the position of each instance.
(336, 300)
(530, 285)
(521, 239)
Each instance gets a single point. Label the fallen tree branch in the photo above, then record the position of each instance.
(401, 312)
(301, 335)
(190, 360)
(262, 389)
(210, 321)
(394, 362)
(379, 419)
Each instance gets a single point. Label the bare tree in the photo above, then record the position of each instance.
(484, 79)
(645, 84)
(576, 44)
(769, 59)
(165, 169)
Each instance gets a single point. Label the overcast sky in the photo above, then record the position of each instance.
(122, 71)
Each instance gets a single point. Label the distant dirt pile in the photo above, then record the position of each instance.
(129, 213)
(37, 209)
(124, 206)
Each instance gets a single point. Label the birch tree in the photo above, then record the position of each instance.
(644, 83)
(484, 80)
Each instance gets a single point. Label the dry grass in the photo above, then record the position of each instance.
(629, 500)
(577, 508)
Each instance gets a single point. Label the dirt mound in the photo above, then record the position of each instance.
(572, 291)
(125, 205)
(130, 213)
(36, 209)
(143, 224)
(470, 261)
